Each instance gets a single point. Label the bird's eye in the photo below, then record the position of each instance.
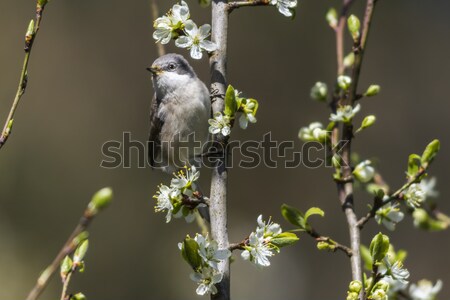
(172, 66)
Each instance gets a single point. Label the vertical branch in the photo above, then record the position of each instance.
(218, 196)
(345, 188)
(29, 41)
(155, 14)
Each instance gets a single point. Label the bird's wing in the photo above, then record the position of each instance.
(155, 130)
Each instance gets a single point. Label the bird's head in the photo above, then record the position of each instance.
(171, 71)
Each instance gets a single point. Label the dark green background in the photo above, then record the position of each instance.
(88, 84)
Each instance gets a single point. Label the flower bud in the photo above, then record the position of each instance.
(332, 17)
(352, 296)
(100, 200)
(78, 296)
(80, 252)
(66, 267)
(30, 32)
(355, 286)
(344, 82)
(364, 172)
(319, 91)
(349, 60)
(373, 90)
(354, 25)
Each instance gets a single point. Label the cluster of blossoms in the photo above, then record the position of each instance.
(425, 290)
(313, 133)
(259, 247)
(171, 198)
(221, 122)
(177, 25)
(204, 257)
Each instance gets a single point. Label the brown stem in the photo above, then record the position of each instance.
(320, 238)
(237, 4)
(66, 285)
(29, 41)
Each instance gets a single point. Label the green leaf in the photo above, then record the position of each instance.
(81, 251)
(354, 25)
(379, 247)
(430, 152)
(189, 251)
(293, 216)
(413, 164)
(366, 257)
(313, 211)
(230, 102)
(284, 239)
(66, 267)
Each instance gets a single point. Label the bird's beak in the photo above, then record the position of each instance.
(155, 70)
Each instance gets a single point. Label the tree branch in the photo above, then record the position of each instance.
(237, 4)
(320, 238)
(345, 189)
(29, 41)
(218, 195)
(69, 247)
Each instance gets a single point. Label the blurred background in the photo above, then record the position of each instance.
(88, 85)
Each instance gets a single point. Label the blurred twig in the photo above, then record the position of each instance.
(155, 15)
(30, 37)
(99, 201)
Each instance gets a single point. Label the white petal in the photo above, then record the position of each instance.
(222, 254)
(196, 52)
(191, 28)
(208, 45)
(243, 122)
(214, 130)
(202, 289)
(203, 31)
(285, 11)
(226, 131)
(183, 42)
(245, 255)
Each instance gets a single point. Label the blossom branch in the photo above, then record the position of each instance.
(237, 4)
(66, 282)
(218, 195)
(337, 246)
(99, 201)
(345, 190)
(155, 14)
(30, 37)
(379, 203)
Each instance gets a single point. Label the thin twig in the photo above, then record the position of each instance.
(29, 41)
(66, 285)
(338, 246)
(155, 15)
(237, 4)
(69, 247)
(219, 177)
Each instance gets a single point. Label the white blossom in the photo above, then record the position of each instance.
(248, 115)
(209, 252)
(364, 172)
(397, 271)
(195, 39)
(424, 290)
(206, 280)
(269, 229)
(314, 132)
(389, 216)
(257, 250)
(345, 113)
(414, 195)
(167, 26)
(220, 124)
(285, 7)
(165, 198)
(344, 82)
(394, 285)
(185, 180)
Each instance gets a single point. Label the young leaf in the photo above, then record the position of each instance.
(293, 216)
(284, 239)
(313, 211)
(366, 257)
(230, 102)
(379, 247)
(189, 251)
(430, 152)
(413, 164)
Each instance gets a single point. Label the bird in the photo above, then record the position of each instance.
(179, 114)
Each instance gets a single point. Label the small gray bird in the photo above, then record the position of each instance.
(179, 114)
